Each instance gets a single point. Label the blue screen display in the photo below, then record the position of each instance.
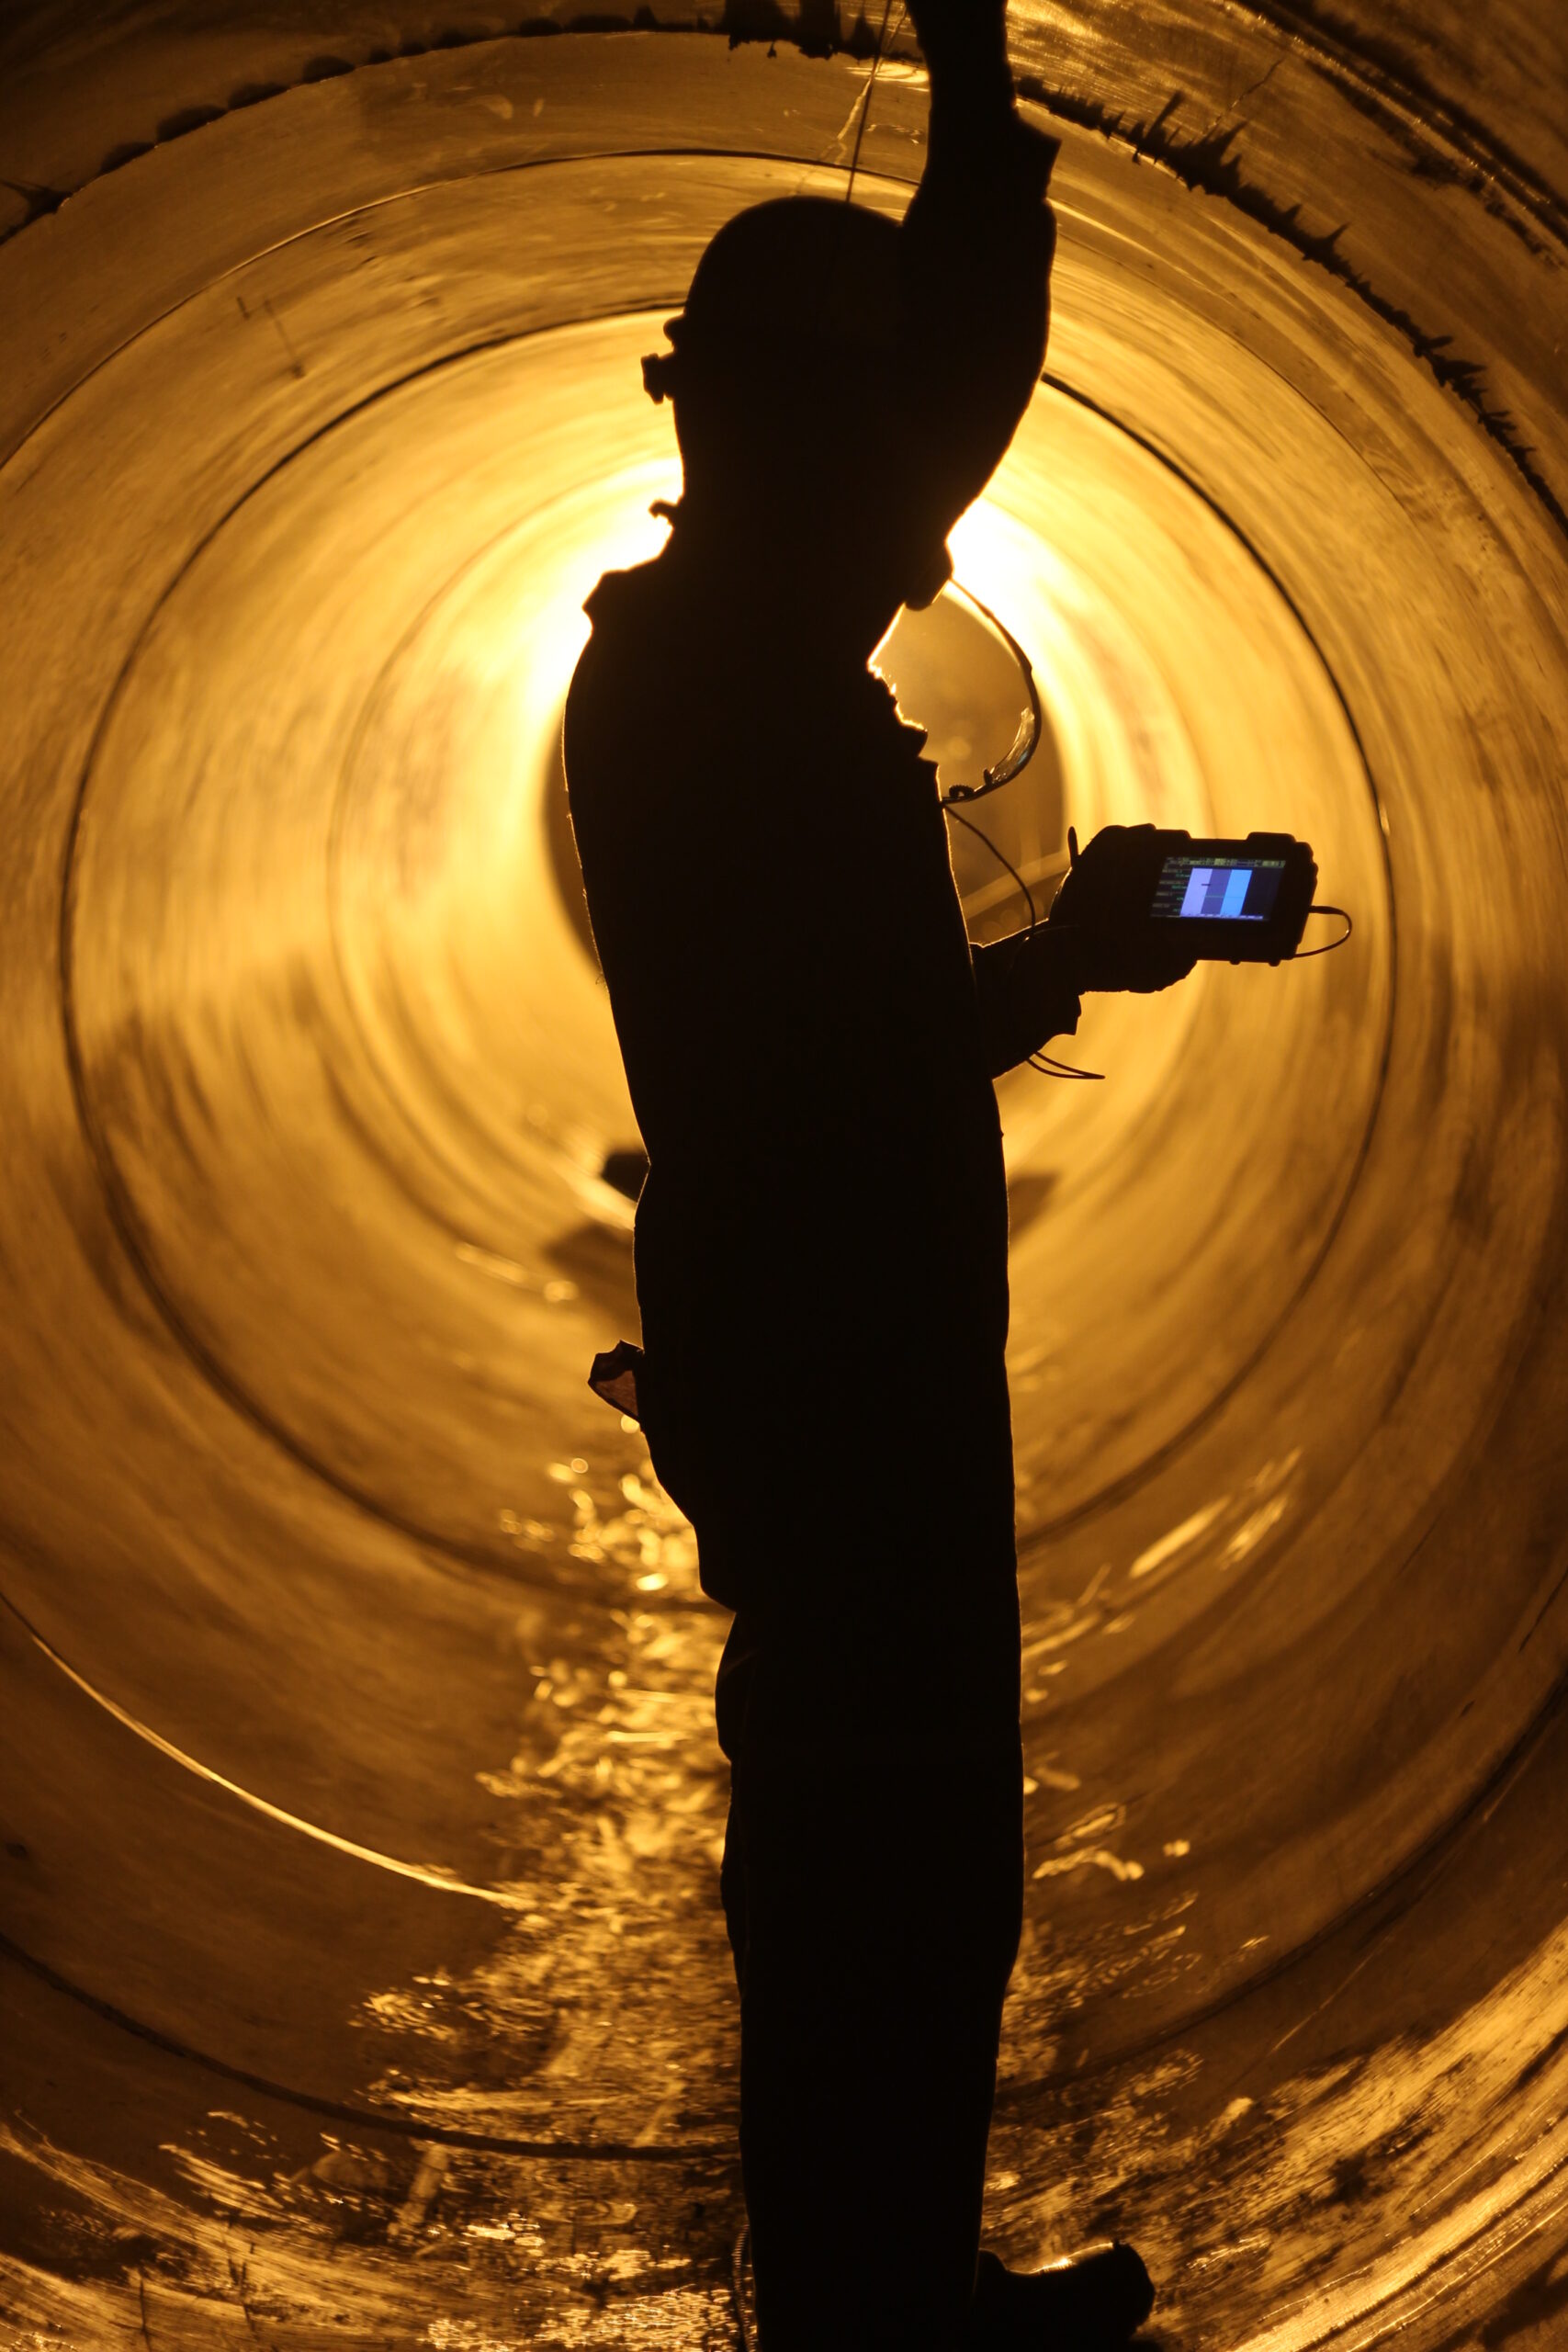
(1218, 889)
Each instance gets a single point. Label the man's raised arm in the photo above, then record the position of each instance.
(976, 248)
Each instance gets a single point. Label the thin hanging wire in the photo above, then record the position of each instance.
(1001, 860)
(866, 101)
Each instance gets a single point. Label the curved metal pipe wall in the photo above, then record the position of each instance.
(360, 1804)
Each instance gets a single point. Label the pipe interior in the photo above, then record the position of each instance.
(361, 1802)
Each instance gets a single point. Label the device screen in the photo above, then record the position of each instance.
(1219, 889)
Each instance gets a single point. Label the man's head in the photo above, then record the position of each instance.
(791, 378)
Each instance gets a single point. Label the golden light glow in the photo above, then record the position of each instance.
(326, 420)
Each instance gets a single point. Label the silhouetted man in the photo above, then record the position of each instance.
(821, 1240)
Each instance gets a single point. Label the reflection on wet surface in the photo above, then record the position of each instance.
(361, 1804)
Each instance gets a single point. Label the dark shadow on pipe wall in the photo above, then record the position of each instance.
(364, 1975)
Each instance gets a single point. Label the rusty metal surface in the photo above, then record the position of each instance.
(364, 1977)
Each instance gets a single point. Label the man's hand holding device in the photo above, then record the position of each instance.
(1141, 906)
(1136, 910)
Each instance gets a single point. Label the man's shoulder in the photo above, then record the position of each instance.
(621, 597)
(621, 660)
(648, 638)
(676, 676)
(651, 703)
(660, 602)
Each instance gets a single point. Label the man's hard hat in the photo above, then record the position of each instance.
(798, 277)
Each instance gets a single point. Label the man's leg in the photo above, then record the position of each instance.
(881, 1892)
(732, 1693)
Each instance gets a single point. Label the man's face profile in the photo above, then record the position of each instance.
(791, 391)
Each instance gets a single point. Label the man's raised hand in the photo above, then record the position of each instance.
(964, 44)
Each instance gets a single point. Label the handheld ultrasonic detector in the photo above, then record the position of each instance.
(1234, 902)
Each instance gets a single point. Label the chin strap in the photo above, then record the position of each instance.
(1032, 723)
